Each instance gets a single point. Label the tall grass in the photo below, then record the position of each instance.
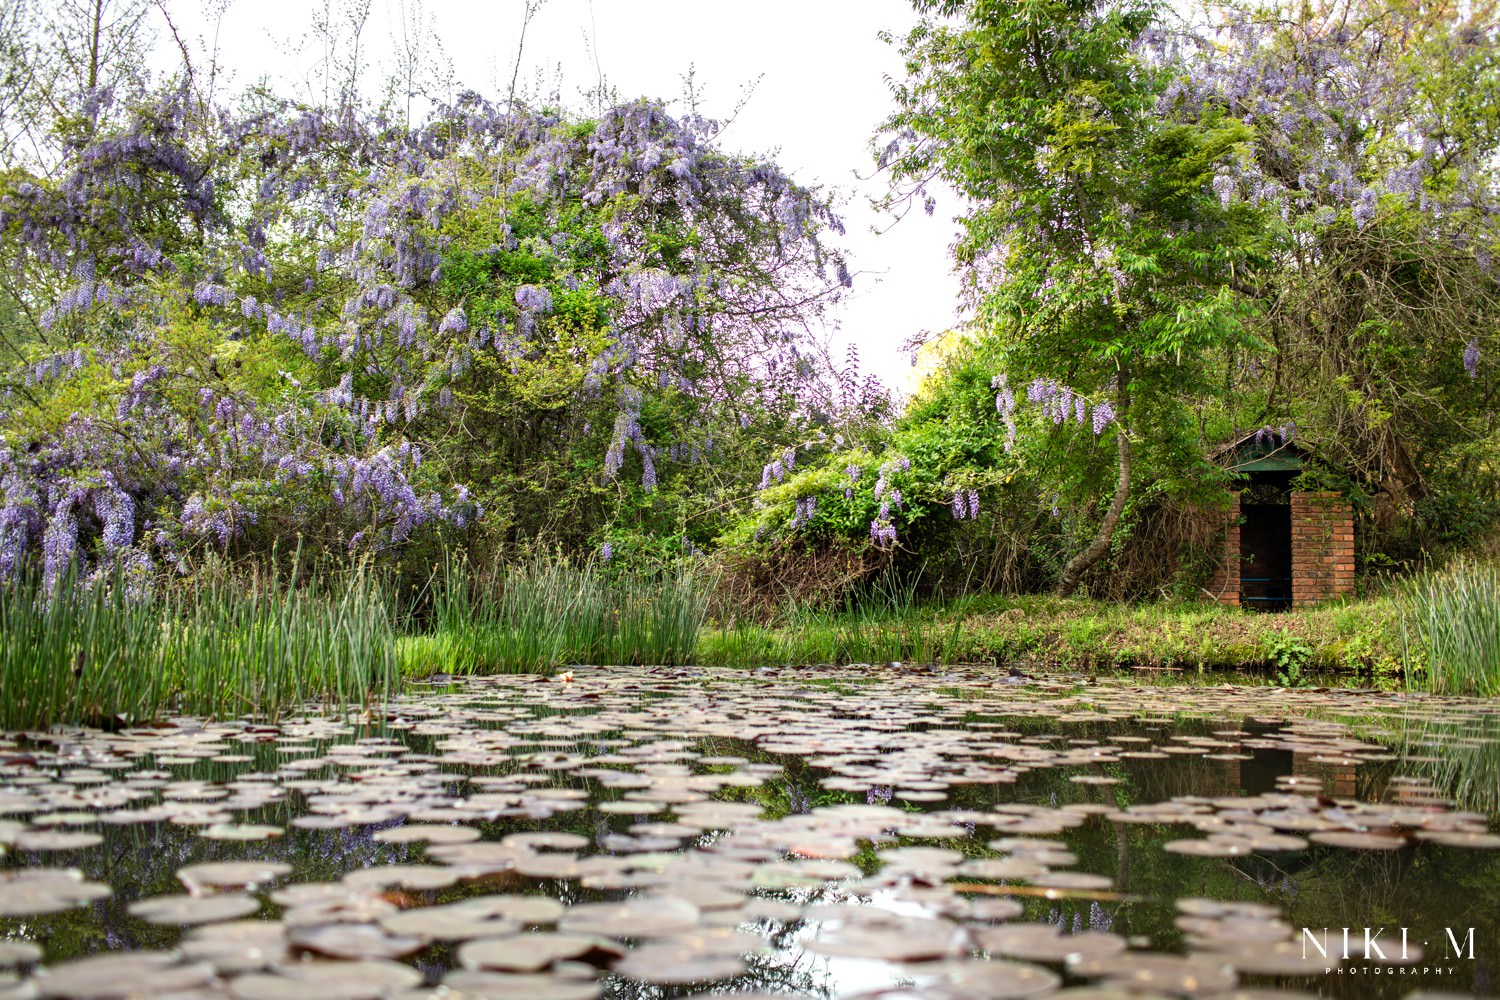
(1451, 624)
(263, 641)
(535, 615)
(228, 644)
(76, 654)
(1461, 756)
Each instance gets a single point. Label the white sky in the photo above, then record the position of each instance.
(821, 91)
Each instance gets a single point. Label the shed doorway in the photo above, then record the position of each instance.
(1266, 554)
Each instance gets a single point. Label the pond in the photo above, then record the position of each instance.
(677, 832)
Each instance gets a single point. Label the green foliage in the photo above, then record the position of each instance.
(1097, 248)
(1288, 655)
(1353, 639)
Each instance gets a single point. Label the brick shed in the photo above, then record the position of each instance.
(1283, 548)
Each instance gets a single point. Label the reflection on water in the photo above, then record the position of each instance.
(1459, 752)
(777, 831)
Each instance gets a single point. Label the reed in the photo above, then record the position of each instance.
(76, 655)
(225, 644)
(535, 615)
(1451, 625)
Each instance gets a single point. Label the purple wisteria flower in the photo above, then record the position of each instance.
(1104, 415)
(648, 466)
(1471, 357)
(60, 542)
(116, 512)
(456, 321)
(216, 460)
(1005, 405)
(803, 511)
(534, 298)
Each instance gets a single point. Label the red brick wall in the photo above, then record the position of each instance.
(1322, 548)
(1224, 584)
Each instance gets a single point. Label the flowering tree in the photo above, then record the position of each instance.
(1372, 166)
(286, 319)
(57, 60)
(1095, 247)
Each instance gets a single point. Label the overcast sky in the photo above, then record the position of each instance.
(817, 70)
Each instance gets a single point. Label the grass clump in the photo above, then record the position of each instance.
(536, 615)
(1452, 627)
(224, 644)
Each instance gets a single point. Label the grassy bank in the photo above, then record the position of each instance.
(1357, 638)
(233, 641)
(226, 644)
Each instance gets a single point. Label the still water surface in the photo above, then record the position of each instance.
(656, 832)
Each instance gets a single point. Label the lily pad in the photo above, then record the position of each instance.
(185, 911)
(231, 874)
(368, 980)
(533, 952)
(520, 986)
(125, 974)
(355, 941)
(634, 918)
(35, 891)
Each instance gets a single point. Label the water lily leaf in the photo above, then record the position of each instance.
(533, 952)
(98, 977)
(188, 910)
(642, 917)
(367, 980)
(35, 891)
(231, 874)
(355, 941)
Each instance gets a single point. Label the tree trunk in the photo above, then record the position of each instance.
(1079, 564)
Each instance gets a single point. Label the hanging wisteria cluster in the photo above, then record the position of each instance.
(883, 526)
(776, 470)
(965, 505)
(333, 230)
(1058, 403)
(160, 477)
(1284, 434)
(803, 512)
